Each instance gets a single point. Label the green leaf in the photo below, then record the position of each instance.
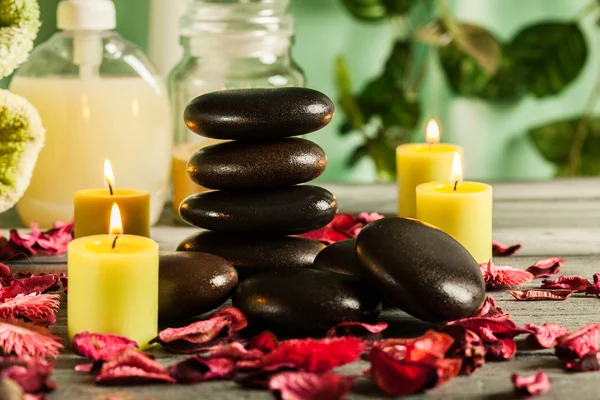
(398, 6)
(367, 10)
(358, 154)
(346, 99)
(549, 56)
(383, 154)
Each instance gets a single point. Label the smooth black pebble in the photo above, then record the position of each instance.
(243, 165)
(251, 255)
(192, 283)
(283, 211)
(340, 258)
(305, 300)
(421, 269)
(253, 114)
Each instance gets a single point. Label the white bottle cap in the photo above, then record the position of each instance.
(86, 15)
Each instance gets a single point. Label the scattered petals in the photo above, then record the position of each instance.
(197, 369)
(64, 280)
(41, 283)
(357, 329)
(217, 329)
(344, 226)
(236, 351)
(132, 367)
(545, 336)
(310, 386)
(489, 309)
(578, 343)
(500, 276)
(501, 349)
(541, 294)
(546, 267)
(467, 347)
(37, 308)
(50, 242)
(265, 341)
(26, 339)
(570, 282)
(594, 288)
(400, 377)
(33, 375)
(100, 346)
(589, 362)
(503, 250)
(532, 385)
(497, 328)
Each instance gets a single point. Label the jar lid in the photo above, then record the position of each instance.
(86, 15)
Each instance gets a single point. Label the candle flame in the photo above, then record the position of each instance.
(432, 132)
(109, 177)
(456, 168)
(116, 224)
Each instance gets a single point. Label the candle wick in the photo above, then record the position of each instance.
(109, 187)
(455, 185)
(114, 242)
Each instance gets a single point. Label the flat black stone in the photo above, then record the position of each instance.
(192, 283)
(253, 114)
(421, 269)
(251, 255)
(341, 258)
(250, 165)
(305, 300)
(284, 211)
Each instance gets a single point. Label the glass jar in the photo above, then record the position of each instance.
(228, 44)
(99, 98)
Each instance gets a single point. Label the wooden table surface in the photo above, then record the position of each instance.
(557, 218)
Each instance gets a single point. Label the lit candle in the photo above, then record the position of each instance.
(93, 206)
(113, 284)
(418, 163)
(461, 209)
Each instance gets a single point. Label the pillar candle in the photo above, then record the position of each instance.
(418, 163)
(113, 289)
(461, 209)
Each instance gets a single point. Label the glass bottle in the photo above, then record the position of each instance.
(228, 44)
(99, 98)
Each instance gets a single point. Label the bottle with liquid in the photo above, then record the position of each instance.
(99, 98)
(228, 44)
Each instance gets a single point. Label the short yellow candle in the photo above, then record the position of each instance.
(113, 290)
(418, 163)
(93, 206)
(461, 209)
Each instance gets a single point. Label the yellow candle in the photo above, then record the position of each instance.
(461, 209)
(418, 163)
(93, 206)
(113, 289)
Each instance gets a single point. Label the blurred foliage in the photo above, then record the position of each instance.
(541, 60)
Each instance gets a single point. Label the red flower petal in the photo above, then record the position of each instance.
(265, 341)
(489, 309)
(5, 274)
(589, 362)
(545, 336)
(541, 294)
(197, 369)
(497, 328)
(501, 350)
(500, 276)
(217, 329)
(100, 346)
(33, 375)
(531, 385)
(467, 347)
(571, 282)
(594, 289)
(312, 355)
(326, 235)
(400, 377)
(310, 386)
(503, 250)
(26, 339)
(447, 368)
(260, 378)
(343, 226)
(37, 308)
(578, 343)
(546, 267)
(51, 242)
(64, 280)
(357, 329)
(14, 289)
(132, 367)
(236, 351)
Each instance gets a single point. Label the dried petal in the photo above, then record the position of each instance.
(197, 369)
(14, 289)
(546, 267)
(501, 349)
(541, 294)
(489, 309)
(545, 336)
(578, 343)
(467, 347)
(64, 280)
(86, 367)
(33, 376)
(447, 368)
(37, 308)
(589, 362)
(265, 341)
(26, 339)
(51, 242)
(357, 329)
(236, 351)
(132, 367)
(41, 283)
(5, 274)
(260, 378)
(503, 250)
(571, 282)
(594, 289)
(310, 386)
(100, 346)
(497, 328)
(501, 276)
(400, 377)
(532, 385)
(217, 329)
(343, 226)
